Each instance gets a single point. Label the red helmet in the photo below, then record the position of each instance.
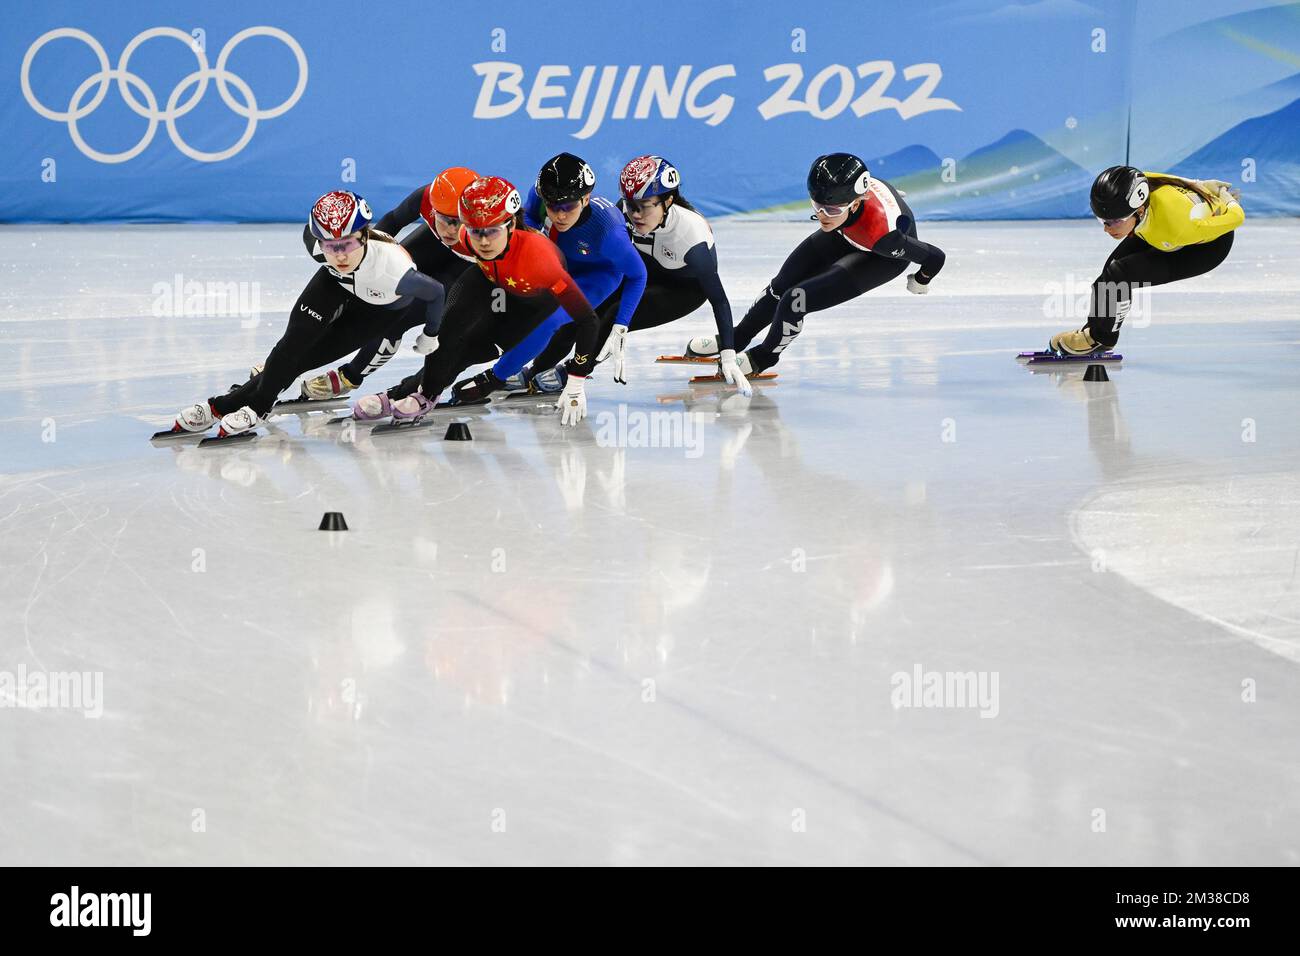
(488, 202)
(443, 194)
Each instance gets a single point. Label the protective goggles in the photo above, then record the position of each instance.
(563, 207)
(1115, 222)
(489, 232)
(640, 205)
(828, 210)
(341, 247)
(447, 222)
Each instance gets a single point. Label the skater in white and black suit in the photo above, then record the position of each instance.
(867, 237)
(435, 249)
(367, 283)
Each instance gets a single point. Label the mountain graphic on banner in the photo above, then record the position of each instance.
(905, 162)
(1267, 148)
(1019, 176)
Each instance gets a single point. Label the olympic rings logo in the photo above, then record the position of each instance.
(78, 109)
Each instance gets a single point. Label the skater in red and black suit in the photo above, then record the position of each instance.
(867, 237)
(519, 282)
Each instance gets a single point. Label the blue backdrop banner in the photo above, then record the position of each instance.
(976, 108)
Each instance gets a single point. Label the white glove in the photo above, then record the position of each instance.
(614, 348)
(913, 285)
(573, 400)
(424, 344)
(731, 372)
(1227, 195)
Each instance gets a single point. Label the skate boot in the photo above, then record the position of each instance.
(548, 382)
(702, 346)
(1076, 344)
(196, 418)
(327, 385)
(516, 382)
(371, 408)
(412, 408)
(238, 422)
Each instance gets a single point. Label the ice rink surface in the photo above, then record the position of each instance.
(550, 646)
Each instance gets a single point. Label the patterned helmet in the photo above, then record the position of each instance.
(648, 176)
(338, 214)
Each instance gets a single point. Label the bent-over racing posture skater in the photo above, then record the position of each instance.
(433, 246)
(867, 237)
(518, 285)
(595, 249)
(592, 236)
(1170, 228)
(676, 245)
(367, 282)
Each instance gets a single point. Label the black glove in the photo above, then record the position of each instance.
(477, 388)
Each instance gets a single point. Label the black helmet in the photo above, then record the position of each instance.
(837, 179)
(564, 178)
(1119, 192)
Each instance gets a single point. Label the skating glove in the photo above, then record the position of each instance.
(918, 282)
(424, 344)
(1216, 187)
(573, 400)
(480, 386)
(614, 348)
(731, 373)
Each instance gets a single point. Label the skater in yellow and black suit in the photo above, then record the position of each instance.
(1171, 228)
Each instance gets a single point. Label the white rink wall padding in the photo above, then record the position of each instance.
(548, 646)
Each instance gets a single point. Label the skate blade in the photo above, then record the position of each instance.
(170, 435)
(388, 428)
(239, 439)
(340, 419)
(1050, 358)
(687, 359)
(308, 404)
(707, 379)
(523, 394)
(422, 421)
